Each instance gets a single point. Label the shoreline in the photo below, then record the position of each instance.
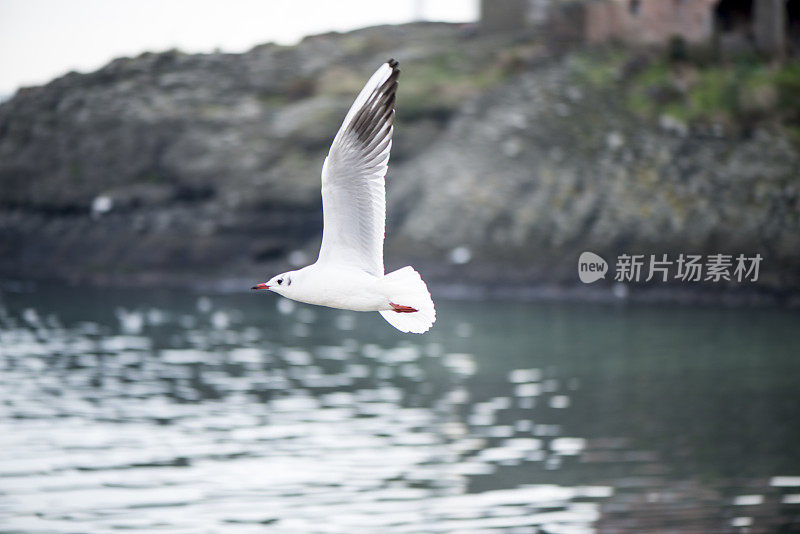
(608, 293)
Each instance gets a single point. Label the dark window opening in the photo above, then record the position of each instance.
(793, 26)
(734, 16)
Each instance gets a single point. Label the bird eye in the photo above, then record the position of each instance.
(280, 281)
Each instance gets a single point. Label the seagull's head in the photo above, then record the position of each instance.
(280, 284)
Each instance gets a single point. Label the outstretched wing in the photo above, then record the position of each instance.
(353, 185)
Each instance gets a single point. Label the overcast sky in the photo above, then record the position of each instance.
(42, 39)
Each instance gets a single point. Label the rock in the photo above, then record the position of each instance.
(565, 192)
(169, 163)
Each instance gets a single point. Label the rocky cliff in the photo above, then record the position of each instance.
(508, 162)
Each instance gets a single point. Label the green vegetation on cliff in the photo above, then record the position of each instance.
(736, 93)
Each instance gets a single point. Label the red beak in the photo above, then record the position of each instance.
(260, 286)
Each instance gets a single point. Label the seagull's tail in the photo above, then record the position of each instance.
(412, 307)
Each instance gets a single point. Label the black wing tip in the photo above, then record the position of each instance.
(370, 123)
(373, 121)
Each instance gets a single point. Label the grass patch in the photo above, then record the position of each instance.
(440, 83)
(787, 83)
(736, 93)
(600, 69)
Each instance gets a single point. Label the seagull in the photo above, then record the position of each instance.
(349, 272)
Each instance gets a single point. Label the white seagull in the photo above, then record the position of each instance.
(349, 272)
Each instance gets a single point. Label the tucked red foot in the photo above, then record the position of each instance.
(402, 309)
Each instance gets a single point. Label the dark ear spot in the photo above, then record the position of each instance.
(288, 281)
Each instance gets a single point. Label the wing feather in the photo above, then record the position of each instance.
(353, 177)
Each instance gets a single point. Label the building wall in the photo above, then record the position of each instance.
(652, 22)
(769, 25)
(567, 25)
(504, 15)
(646, 21)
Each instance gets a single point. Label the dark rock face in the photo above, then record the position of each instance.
(179, 163)
(208, 165)
(538, 170)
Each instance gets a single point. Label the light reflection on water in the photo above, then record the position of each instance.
(172, 412)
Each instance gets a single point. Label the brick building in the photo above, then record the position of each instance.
(770, 26)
